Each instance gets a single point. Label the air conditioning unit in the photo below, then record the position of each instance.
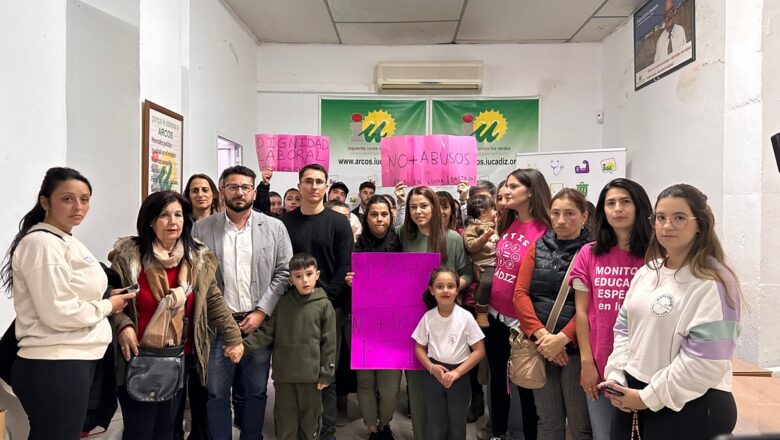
(462, 76)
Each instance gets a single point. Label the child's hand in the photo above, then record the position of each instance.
(348, 279)
(321, 386)
(438, 371)
(450, 377)
(488, 232)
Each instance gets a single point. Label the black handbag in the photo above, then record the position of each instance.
(9, 346)
(156, 374)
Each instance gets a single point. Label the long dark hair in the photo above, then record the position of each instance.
(706, 258)
(428, 298)
(540, 198)
(640, 233)
(437, 239)
(51, 181)
(214, 191)
(150, 209)
(453, 223)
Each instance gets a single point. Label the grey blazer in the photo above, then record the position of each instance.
(271, 252)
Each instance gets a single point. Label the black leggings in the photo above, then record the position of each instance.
(710, 415)
(54, 394)
(497, 348)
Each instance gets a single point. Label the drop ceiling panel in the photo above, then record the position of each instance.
(288, 21)
(619, 8)
(395, 10)
(524, 20)
(397, 33)
(597, 28)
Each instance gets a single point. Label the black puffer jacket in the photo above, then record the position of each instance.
(551, 261)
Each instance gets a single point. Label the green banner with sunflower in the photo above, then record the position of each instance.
(356, 127)
(503, 128)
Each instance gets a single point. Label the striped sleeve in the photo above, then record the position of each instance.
(618, 359)
(705, 353)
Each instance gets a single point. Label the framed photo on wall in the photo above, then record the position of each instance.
(162, 149)
(664, 39)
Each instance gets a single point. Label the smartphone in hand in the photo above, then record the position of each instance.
(614, 392)
(130, 289)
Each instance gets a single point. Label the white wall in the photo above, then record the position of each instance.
(566, 77)
(222, 98)
(32, 116)
(103, 129)
(769, 290)
(708, 124)
(672, 129)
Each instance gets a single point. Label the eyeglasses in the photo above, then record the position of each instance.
(677, 220)
(313, 182)
(234, 188)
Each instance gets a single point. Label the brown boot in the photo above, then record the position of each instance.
(482, 315)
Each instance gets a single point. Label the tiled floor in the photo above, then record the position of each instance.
(354, 430)
(757, 398)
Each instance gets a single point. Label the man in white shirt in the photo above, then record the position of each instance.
(672, 38)
(253, 250)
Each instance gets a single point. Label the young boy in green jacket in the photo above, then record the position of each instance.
(303, 333)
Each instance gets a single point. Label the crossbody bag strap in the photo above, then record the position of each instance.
(185, 320)
(562, 294)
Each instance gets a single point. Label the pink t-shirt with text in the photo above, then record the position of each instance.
(606, 278)
(510, 250)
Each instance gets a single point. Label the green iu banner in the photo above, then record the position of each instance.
(356, 127)
(503, 128)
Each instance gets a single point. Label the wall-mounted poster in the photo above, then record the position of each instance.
(587, 171)
(356, 127)
(664, 39)
(162, 143)
(503, 128)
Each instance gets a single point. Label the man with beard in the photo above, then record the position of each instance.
(327, 236)
(253, 250)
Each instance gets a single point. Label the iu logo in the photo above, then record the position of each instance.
(372, 127)
(488, 126)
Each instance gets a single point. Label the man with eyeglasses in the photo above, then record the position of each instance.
(327, 236)
(253, 250)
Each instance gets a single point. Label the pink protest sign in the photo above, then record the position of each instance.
(386, 307)
(288, 152)
(437, 160)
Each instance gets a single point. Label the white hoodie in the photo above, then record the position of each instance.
(58, 289)
(677, 333)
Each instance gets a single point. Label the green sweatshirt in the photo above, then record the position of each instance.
(303, 333)
(457, 258)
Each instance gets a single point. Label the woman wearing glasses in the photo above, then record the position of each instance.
(670, 369)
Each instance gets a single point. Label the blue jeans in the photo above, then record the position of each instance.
(600, 412)
(254, 367)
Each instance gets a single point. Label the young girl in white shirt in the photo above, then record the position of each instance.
(449, 344)
(670, 368)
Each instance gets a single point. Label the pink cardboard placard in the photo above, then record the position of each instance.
(289, 152)
(386, 307)
(437, 160)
